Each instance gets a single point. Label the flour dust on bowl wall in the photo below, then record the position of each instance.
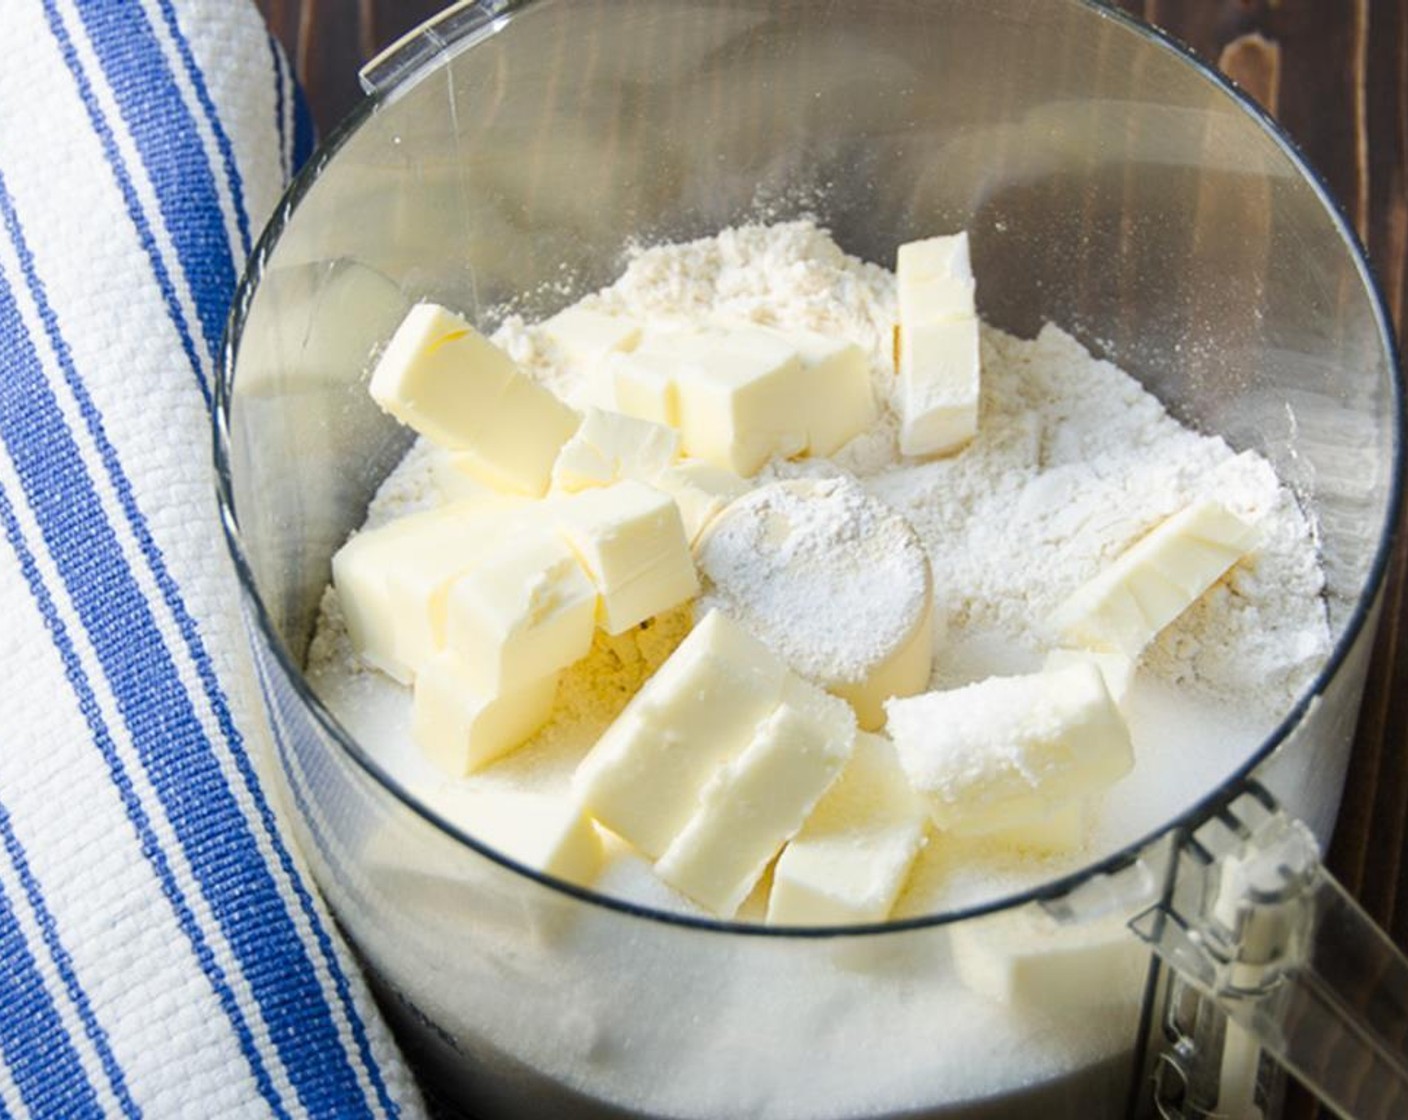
(762, 529)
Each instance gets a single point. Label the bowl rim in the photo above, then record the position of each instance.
(467, 33)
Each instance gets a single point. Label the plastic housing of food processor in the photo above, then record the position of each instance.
(506, 155)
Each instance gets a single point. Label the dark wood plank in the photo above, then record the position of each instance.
(1335, 73)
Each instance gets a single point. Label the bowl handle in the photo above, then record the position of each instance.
(1255, 924)
(458, 27)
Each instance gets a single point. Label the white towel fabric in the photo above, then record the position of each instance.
(162, 952)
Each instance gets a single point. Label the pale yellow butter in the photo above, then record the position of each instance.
(610, 446)
(934, 279)
(1063, 829)
(939, 361)
(545, 832)
(1024, 958)
(701, 490)
(643, 777)
(758, 800)
(740, 395)
(850, 861)
(389, 625)
(461, 729)
(526, 610)
(831, 394)
(939, 385)
(631, 540)
(454, 482)
(1154, 581)
(1008, 751)
(447, 381)
(359, 574)
(1116, 668)
(643, 384)
(419, 580)
(835, 392)
(585, 336)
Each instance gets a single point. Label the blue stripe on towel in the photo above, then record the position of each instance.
(222, 139)
(304, 810)
(305, 135)
(35, 1045)
(58, 953)
(165, 134)
(170, 592)
(176, 754)
(129, 196)
(151, 847)
(12, 336)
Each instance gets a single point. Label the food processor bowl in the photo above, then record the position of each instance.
(505, 158)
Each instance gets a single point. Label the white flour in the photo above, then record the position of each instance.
(1072, 462)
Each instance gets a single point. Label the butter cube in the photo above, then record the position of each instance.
(939, 364)
(934, 280)
(461, 729)
(1024, 958)
(1063, 829)
(543, 832)
(643, 777)
(1155, 580)
(448, 382)
(758, 800)
(701, 490)
(644, 384)
(741, 399)
(383, 628)
(836, 396)
(1116, 668)
(610, 446)
(852, 857)
(526, 610)
(418, 583)
(742, 393)
(455, 480)
(631, 540)
(585, 336)
(938, 385)
(1007, 751)
(359, 570)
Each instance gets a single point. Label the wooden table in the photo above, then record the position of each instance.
(1335, 73)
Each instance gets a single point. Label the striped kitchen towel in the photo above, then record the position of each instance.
(162, 952)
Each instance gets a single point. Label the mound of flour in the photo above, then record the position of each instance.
(1074, 460)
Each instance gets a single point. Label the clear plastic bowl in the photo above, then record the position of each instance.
(1111, 184)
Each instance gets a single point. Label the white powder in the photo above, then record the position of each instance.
(1072, 462)
(830, 578)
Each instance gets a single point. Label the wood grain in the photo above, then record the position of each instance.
(1335, 74)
